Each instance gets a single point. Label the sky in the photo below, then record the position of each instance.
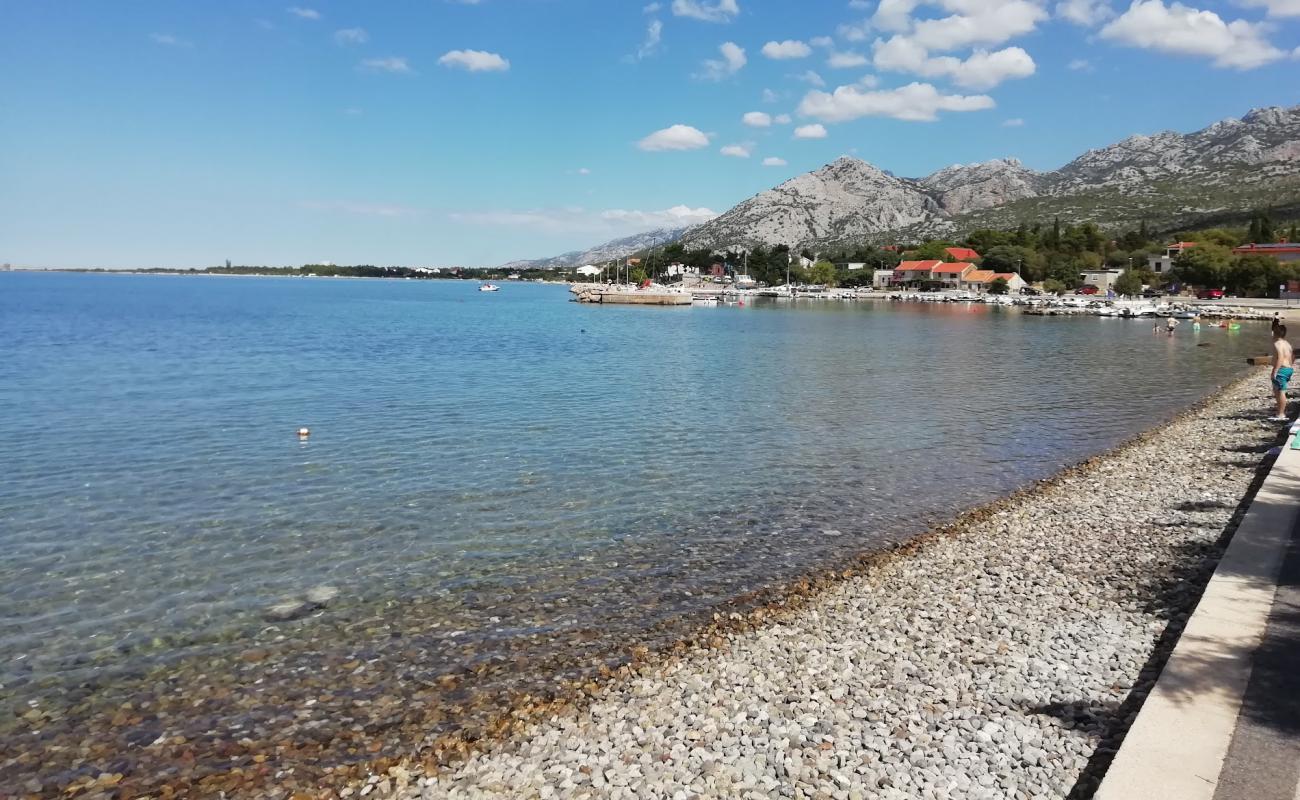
(164, 133)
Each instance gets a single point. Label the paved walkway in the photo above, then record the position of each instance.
(1223, 721)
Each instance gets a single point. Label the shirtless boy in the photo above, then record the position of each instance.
(1283, 359)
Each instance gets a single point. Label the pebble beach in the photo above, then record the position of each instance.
(1000, 657)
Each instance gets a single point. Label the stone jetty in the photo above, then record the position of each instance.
(1001, 657)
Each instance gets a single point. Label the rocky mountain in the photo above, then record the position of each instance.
(604, 253)
(1168, 179)
(847, 199)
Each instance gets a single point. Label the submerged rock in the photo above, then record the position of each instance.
(321, 595)
(287, 610)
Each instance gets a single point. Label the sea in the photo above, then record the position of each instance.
(502, 490)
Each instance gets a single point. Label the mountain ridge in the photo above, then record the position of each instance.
(1167, 178)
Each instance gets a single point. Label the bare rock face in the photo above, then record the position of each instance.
(961, 188)
(845, 200)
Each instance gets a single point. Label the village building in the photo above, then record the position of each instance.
(1286, 252)
(961, 254)
(1103, 279)
(977, 280)
(914, 273)
(882, 279)
(950, 275)
(1014, 282)
(1163, 263)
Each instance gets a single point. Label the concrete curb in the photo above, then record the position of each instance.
(1176, 746)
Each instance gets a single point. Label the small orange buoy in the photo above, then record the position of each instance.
(303, 433)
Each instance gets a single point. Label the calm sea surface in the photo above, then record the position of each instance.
(492, 474)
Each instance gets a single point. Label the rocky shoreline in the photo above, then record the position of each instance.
(1000, 657)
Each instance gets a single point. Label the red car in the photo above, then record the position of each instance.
(1089, 289)
(1210, 294)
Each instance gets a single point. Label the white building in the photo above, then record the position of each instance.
(1103, 279)
(882, 279)
(1163, 263)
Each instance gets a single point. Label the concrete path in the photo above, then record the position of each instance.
(1223, 721)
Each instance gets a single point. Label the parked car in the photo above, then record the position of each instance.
(1089, 289)
(1210, 294)
(1153, 292)
(1029, 291)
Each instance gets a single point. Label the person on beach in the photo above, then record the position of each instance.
(1170, 324)
(1277, 322)
(1283, 361)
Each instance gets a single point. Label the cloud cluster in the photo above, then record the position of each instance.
(741, 150)
(674, 137)
(757, 119)
(814, 131)
(790, 48)
(351, 36)
(915, 102)
(303, 13)
(474, 61)
(716, 11)
(732, 61)
(1181, 30)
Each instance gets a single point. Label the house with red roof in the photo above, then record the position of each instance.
(1286, 252)
(961, 253)
(950, 275)
(914, 272)
(977, 280)
(1164, 263)
(1014, 282)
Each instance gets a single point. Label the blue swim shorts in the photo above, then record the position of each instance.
(1282, 378)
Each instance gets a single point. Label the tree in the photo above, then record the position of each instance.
(1205, 264)
(931, 251)
(999, 286)
(1130, 283)
(823, 273)
(1053, 286)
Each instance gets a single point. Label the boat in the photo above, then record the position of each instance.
(489, 287)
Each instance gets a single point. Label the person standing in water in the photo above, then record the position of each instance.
(1170, 324)
(1283, 361)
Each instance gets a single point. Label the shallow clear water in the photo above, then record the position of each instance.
(511, 465)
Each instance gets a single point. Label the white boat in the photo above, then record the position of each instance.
(489, 287)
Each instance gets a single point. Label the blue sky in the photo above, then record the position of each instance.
(445, 132)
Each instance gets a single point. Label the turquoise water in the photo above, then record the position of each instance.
(497, 473)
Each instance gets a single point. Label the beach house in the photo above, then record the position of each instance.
(1163, 263)
(951, 275)
(914, 273)
(882, 279)
(1014, 282)
(977, 280)
(961, 254)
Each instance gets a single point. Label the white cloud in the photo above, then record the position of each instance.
(586, 221)
(790, 48)
(1277, 8)
(741, 150)
(675, 137)
(982, 70)
(1181, 30)
(814, 131)
(474, 61)
(652, 8)
(770, 96)
(869, 81)
(351, 36)
(846, 60)
(757, 119)
(583, 171)
(773, 161)
(169, 40)
(811, 78)
(303, 13)
(854, 31)
(1080, 65)
(1084, 12)
(916, 102)
(717, 11)
(822, 41)
(390, 64)
(986, 22)
(653, 35)
(733, 59)
(1014, 122)
(894, 16)
(781, 119)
